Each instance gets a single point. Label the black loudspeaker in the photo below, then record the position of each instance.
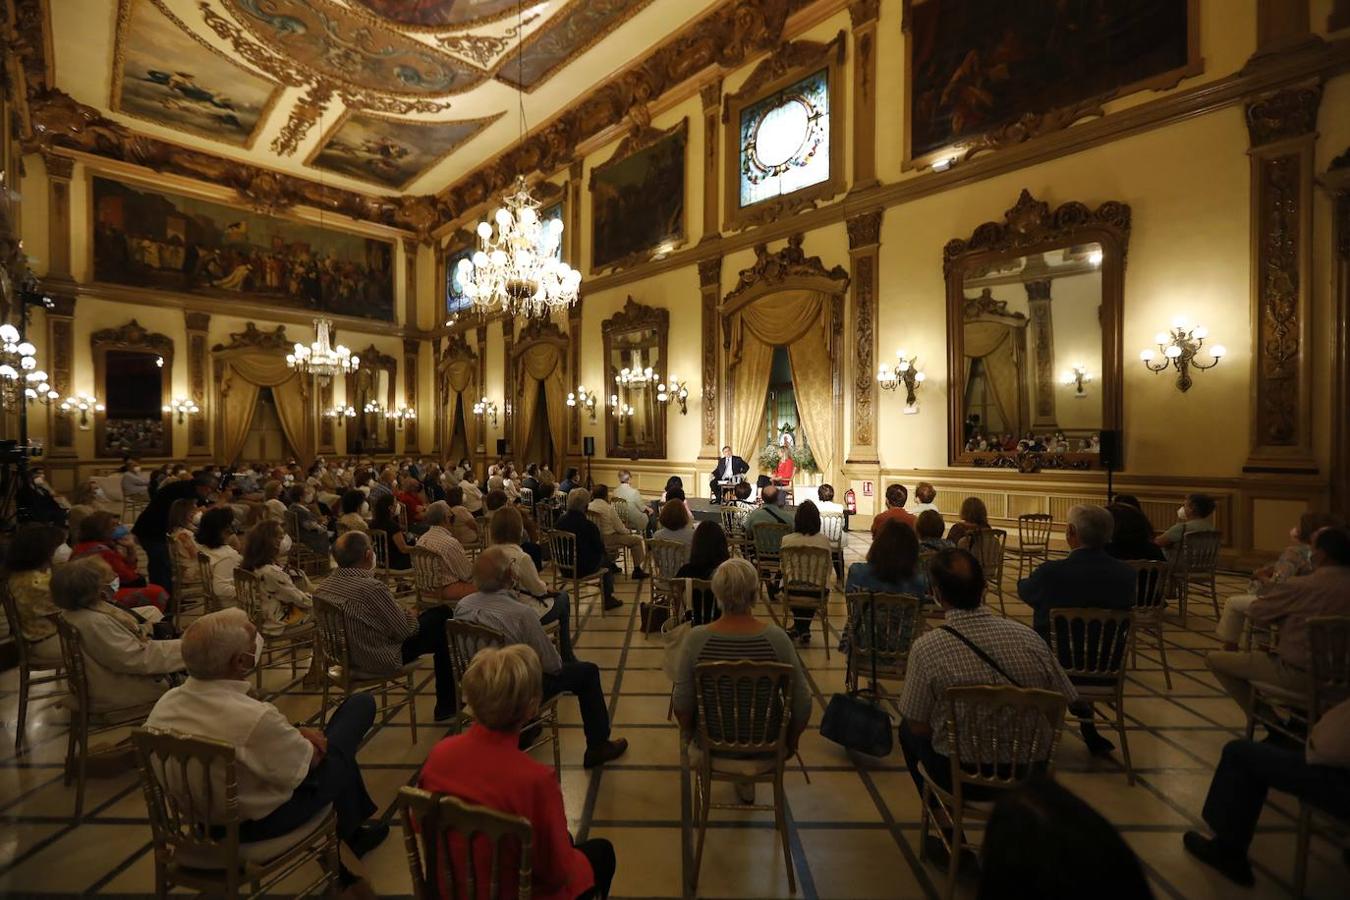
(501, 446)
(357, 448)
(1111, 447)
(588, 446)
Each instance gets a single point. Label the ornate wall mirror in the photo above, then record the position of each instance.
(370, 391)
(1033, 335)
(635, 365)
(133, 372)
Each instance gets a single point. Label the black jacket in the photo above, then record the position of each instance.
(738, 467)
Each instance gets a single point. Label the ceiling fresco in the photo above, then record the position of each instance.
(404, 95)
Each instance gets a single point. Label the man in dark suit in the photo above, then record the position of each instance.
(729, 468)
(1087, 577)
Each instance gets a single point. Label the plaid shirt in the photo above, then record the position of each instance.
(376, 625)
(440, 541)
(939, 660)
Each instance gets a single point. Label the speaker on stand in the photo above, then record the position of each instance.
(588, 450)
(1109, 452)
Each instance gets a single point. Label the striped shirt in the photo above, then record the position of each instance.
(772, 645)
(376, 625)
(439, 540)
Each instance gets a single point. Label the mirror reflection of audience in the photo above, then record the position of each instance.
(101, 535)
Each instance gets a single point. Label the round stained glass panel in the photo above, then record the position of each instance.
(782, 134)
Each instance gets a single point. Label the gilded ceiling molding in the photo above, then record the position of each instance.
(251, 338)
(569, 34)
(771, 269)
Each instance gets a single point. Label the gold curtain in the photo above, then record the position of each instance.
(813, 387)
(994, 344)
(781, 319)
(543, 363)
(243, 374)
(461, 376)
(750, 384)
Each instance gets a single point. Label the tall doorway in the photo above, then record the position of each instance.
(538, 442)
(266, 439)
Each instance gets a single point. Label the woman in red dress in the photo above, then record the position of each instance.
(101, 536)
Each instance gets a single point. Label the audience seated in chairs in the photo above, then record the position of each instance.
(152, 525)
(926, 496)
(286, 775)
(707, 552)
(383, 636)
(385, 518)
(284, 603)
(217, 541)
(571, 480)
(897, 495)
(28, 576)
(495, 500)
(805, 533)
(770, 510)
(101, 536)
(353, 504)
(1088, 577)
(1294, 561)
(505, 531)
(126, 667)
(473, 495)
(639, 517)
(929, 527)
(738, 635)
(1196, 514)
(675, 521)
(892, 565)
(947, 657)
(495, 606)
(1325, 592)
(590, 546)
(184, 516)
(484, 766)
(463, 525)
(310, 529)
(614, 531)
(1247, 770)
(974, 517)
(440, 541)
(1132, 536)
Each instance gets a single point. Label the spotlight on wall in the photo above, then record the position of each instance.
(181, 407)
(906, 372)
(584, 399)
(1180, 349)
(487, 410)
(81, 405)
(674, 389)
(1077, 376)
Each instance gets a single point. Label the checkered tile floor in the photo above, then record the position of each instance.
(854, 828)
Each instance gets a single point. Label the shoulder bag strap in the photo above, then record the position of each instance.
(981, 654)
(775, 515)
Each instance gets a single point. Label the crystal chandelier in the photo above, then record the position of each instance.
(321, 359)
(635, 377)
(20, 378)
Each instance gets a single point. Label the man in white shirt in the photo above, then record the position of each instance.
(638, 518)
(287, 775)
(473, 496)
(615, 531)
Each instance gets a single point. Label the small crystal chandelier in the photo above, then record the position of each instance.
(20, 378)
(635, 376)
(340, 412)
(181, 407)
(321, 359)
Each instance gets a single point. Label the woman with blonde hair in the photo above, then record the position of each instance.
(284, 603)
(484, 766)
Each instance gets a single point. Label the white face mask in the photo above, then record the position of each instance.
(114, 586)
(285, 544)
(196, 518)
(1181, 512)
(1294, 536)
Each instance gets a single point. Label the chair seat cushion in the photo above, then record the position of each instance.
(256, 852)
(747, 766)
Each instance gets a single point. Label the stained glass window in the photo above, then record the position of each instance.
(455, 301)
(554, 212)
(785, 140)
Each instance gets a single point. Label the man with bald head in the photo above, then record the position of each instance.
(287, 775)
(495, 606)
(382, 636)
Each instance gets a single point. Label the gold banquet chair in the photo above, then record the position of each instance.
(807, 573)
(429, 576)
(288, 642)
(562, 548)
(1033, 540)
(1091, 645)
(987, 545)
(1150, 607)
(338, 672)
(898, 621)
(434, 860)
(27, 667)
(666, 559)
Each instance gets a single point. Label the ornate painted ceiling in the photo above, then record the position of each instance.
(401, 96)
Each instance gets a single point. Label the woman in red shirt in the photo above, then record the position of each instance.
(101, 536)
(484, 766)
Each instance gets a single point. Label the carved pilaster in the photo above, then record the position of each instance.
(1337, 184)
(711, 95)
(1282, 126)
(412, 351)
(573, 213)
(410, 283)
(439, 393)
(863, 14)
(710, 286)
(59, 170)
(199, 377)
(864, 243)
(482, 335)
(509, 381)
(1281, 26)
(61, 347)
(574, 367)
(1042, 329)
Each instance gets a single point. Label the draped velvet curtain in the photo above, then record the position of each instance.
(460, 377)
(799, 321)
(244, 373)
(995, 345)
(542, 363)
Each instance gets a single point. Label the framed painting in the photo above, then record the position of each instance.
(163, 75)
(980, 75)
(391, 153)
(637, 198)
(144, 238)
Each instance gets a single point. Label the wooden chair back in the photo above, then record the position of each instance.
(1002, 735)
(806, 570)
(682, 591)
(1150, 596)
(1090, 643)
(743, 707)
(769, 539)
(986, 545)
(334, 648)
(898, 621)
(1200, 552)
(211, 601)
(429, 574)
(624, 513)
(832, 526)
(562, 546)
(447, 839)
(15, 626)
(1328, 663)
(77, 673)
(667, 557)
(248, 594)
(379, 542)
(191, 791)
(1033, 530)
(465, 639)
(596, 519)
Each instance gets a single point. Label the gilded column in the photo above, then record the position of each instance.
(438, 395)
(574, 375)
(61, 347)
(60, 286)
(1282, 126)
(412, 349)
(1042, 352)
(710, 286)
(1337, 184)
(863, 14)
(484, 424)
(199, 377)
(864, 243)
(410, 284)
(509, 385)
(574, 214)
(712, 106)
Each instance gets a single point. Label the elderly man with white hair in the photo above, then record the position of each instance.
(591, 554)
(495, 606)
(287, 775)
(439, 539)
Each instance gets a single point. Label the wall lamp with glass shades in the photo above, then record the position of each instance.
(905, 372)
(1077, 377)
(372, 408)
(674, 389)
(486, 409)
(182, 407)
(340, 412)
(584, 399)
(81, 405)
(1180, 348)
(619, 409)
(401, 414)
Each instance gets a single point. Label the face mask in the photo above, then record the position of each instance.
(1181, 512)
(289, 479)
(135, 470)
(258, 645)
(365, 508)
(114, 586)
(285, 544)
(196, 519)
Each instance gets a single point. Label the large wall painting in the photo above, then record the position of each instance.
(441, 14)
(148, 239)
(637, 197)
(163, 75)
(564, 37)
(390, 152)
(976, 66)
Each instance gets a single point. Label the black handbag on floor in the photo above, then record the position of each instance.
(856, 723)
